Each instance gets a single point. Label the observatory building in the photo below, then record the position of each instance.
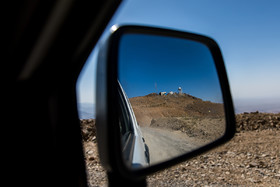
(180, 91)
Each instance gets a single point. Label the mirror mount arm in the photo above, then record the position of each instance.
(116, 180)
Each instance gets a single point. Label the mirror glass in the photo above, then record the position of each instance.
(170, 100)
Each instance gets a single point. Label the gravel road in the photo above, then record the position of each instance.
(165, 144)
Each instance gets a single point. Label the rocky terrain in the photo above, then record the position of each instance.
(154, 106)
(251, 158)
(95, 172)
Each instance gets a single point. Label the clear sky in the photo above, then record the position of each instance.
(248, 33)
(149, 64)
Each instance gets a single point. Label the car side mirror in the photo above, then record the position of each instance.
(162, 97)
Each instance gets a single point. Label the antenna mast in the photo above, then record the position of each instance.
(156, 87)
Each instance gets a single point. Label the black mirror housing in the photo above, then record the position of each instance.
(108, 132)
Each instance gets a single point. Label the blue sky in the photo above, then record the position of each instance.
(248, 33)
(149, 64)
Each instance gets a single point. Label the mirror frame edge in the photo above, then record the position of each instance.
(112, 158)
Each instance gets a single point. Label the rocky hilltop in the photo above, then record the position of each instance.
(203, 120)
(154, 106)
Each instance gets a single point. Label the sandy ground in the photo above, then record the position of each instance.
(165, 144)
(251, 158)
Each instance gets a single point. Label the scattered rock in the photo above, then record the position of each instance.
(88, 129)
(251, 158)
(257, 121)
(253, 164)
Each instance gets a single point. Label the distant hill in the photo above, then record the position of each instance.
(155, 106)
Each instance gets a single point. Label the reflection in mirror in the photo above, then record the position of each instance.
(170, 100)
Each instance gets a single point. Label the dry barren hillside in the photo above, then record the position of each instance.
(155, 106)
(203, 120)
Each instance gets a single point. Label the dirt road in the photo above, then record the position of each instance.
(165, 144)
